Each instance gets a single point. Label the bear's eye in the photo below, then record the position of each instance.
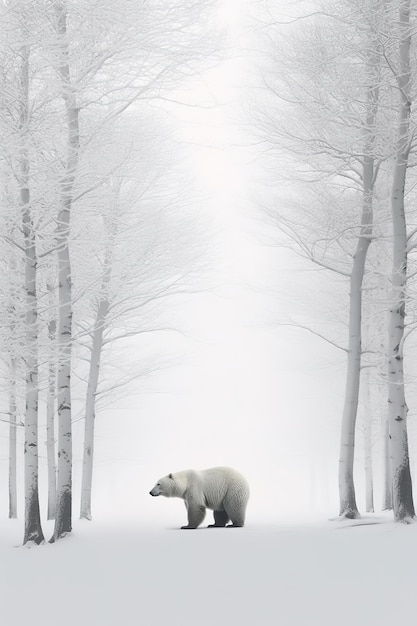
(158, 484)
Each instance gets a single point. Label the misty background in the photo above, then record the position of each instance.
(236, 381)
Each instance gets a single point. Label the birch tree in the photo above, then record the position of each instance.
(367, 421)
(12, 442)
(33, 530)
(63, 513)
(51, 405)
(97, 334)
(348, 507)
(12, 323)
(403, 505)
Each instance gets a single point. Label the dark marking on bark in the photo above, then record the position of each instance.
(33, 528)
(399, 418)
(405, 492)
(63, 523)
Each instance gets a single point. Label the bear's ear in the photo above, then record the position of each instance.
(170, 476)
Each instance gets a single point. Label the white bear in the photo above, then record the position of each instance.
(221, 489)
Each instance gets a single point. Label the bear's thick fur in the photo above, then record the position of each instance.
(221, 489)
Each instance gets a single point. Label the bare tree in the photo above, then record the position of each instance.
(403, 505)
(348, 507)
(63, 513)
(33, 529)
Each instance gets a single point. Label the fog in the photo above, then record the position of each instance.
(243, 388)
(239, 387)
(241, 384)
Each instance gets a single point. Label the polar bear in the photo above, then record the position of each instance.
(221, 489)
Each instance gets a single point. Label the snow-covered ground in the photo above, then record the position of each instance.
(314, 574)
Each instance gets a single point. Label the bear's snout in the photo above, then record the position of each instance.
(153, 494)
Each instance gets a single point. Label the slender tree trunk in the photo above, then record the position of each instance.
(63, 514)
(50, 423)
(13, 372)
(33, 529)
(348, 507)
(63, 517)
(94, 372)
(369, 480)
(12, 442)
(347, 498)
(397, 408)
(90, 410)
(387, 486)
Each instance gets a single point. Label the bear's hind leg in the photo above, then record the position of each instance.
(220, 519)
(237, 518)
(235, 505)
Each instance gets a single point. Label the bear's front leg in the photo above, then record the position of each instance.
(196, 514)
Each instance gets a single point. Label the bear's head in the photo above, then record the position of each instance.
(166, 486)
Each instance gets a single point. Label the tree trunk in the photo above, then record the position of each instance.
(90, 410)
(387, 486)
(348, 507)
(12, 441)
(367, 420)
(397, 408)
(33, 529)
(93, 377)
(13, 373)
(50, 423)
(63, 518)
(347, 497)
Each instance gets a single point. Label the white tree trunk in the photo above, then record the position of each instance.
(387, 486)
(12, 441)
(63, 514)
(397, 408)
(90, 410)
(347, 497)
(348, 507)
(13, 373)
(33, 530)
(63, 517)
(94, 371)
(367, 420)
(50, 423)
